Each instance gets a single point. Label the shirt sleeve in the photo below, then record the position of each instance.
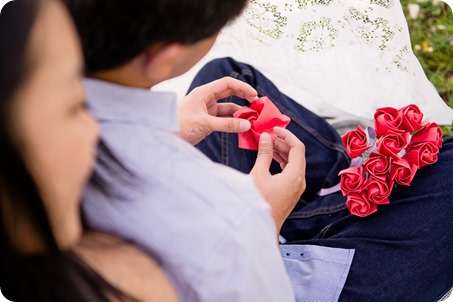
(206, 262)
(247, 265)
(205, 224)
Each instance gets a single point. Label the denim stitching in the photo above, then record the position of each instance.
(227, 149)
(323, 232)
(235, 74)
(224, 155)
(320, 211)
(247, 72)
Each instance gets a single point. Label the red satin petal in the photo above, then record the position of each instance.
(263, 115)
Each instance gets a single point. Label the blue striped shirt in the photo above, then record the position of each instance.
(205, 224)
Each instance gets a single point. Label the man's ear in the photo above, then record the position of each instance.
(160, 60)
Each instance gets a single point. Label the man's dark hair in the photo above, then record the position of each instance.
(113, 32)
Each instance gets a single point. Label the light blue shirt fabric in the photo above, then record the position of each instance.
(205, 224)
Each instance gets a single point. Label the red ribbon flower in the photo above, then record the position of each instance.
(355, 142)
(264, 116)
(403, 171)
(387, 120)
(424, 146)
(377, 165)
(422, 154)
(431, 132)
(352, 180)
(404, 143)
(360, 206)
(377, 190)
(411, 117)
(392, 143)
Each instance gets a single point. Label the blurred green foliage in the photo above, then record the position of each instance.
(431, 28)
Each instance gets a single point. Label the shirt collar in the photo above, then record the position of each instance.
(109, 101)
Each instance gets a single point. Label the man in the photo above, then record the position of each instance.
(207, 225)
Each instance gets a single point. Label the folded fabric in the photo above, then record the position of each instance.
(264, 116)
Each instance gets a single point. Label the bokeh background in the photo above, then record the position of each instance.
(431, 28)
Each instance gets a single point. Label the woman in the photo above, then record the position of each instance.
(48, 145)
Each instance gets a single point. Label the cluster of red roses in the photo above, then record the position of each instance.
(400, 144)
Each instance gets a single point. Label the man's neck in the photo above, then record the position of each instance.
(130, 75)
(121, 79)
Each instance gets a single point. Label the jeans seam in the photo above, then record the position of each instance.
(244, 72)
(224, 148)
(317, 212)
(323, 232)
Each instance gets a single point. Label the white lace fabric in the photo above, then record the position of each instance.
(335, 57)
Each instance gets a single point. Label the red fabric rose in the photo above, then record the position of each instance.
(355, 142)
(358, 205)
(378, 190)
(387, 120)
(264, 116)
(391, 144)
(412, 118)
(403, 171)
(422, 154)
(372, 182)
(429, 133)
(351, 180)
(377, 165)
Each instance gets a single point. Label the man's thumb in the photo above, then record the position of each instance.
(265, 152)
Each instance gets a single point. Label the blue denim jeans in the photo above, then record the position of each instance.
(404, 252)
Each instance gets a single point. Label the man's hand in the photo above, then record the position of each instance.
(282, 191)
(199, 114)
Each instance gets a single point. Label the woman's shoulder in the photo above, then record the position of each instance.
(126, 267)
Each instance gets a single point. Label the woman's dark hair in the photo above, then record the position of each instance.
(113, 32)
(53, 275)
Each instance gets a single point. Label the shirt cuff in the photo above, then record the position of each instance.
(317, 273)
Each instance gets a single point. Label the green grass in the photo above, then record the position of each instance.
(432, 42)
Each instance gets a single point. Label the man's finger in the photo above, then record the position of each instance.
(284, 156)
(281, 147)
(296, 154)
(229, 125)
(265, 153)
(226, 87)
(280, 160)
(227, 109)
(289, 138)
